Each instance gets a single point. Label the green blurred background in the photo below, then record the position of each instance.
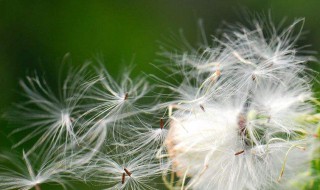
(36, 34)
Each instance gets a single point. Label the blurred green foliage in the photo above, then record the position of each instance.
(36, 34)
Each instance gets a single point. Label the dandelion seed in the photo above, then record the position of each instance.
(111, 171)
(110, 99)
(51, 117)
(146, 137)
(27, 175)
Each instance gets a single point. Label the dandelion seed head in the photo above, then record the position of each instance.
(250, 134)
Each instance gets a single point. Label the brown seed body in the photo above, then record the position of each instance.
(242, 122)
(127, 172)
(240, 152)
(202, 108)
(123, 177)
(161, 123)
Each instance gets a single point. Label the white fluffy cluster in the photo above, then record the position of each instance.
(239, 123)
(240, 118)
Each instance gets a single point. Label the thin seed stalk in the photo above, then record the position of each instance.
(37, 187)
(314, 183)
